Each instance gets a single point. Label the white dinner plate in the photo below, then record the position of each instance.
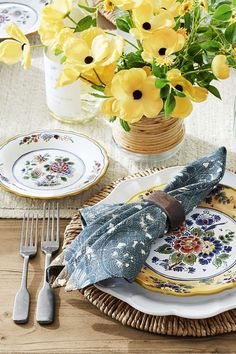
(155, 303)
(51, 164)
(24, 13)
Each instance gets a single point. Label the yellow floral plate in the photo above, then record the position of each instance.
(200, 257)
(24, 13)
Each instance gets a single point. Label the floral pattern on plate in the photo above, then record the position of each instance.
(200, 257)
(35, 138)
(45, 170)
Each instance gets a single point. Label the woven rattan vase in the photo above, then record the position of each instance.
(159, 137)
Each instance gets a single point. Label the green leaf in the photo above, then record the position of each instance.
(214, 91)
(64, 179)
(98, 95)
(160, 83)
(122, 24)
(178, 93)
(89, 9)
(58, 52)
(187, 21)
(223, 13)
(217, 262)
(112, 119)
(98, 88)
(94, 22)
(230, 33)
(165, 249)
(176, 257)
(190, 259)
(234, 2)
(125, 125)
(194, 49)
(202, 29)
(156, 70)
(84, 24)
(169, 105)
(63, 59)
(164, 91)
(224, 256)
(210, 46)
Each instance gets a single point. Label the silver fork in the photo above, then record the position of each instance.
(49, 244)
(28, 248)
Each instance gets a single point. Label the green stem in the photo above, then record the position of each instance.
(89, 81)
(99, 78)
(126, 40)
(72, 20)
(196, 71)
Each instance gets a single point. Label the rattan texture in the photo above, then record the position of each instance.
(126, 314)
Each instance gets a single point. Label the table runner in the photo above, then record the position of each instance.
(23, 109)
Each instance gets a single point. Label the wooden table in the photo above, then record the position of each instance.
(79, 327)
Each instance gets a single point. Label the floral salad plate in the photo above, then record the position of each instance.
(51, 164)
(198, 259)
(24, 13)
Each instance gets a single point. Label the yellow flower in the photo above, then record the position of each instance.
(185, 7)
(57, 10)
(127, 4)
(61, 38)
(193, 93)
(204, 4)
(172, 6)
(92, 49)
(134, 95)
(183, 31)
(220, 67)
(13, 51)
(108, 5)
(148, 19)
(71, 73)
(49, 29)
(161, 45)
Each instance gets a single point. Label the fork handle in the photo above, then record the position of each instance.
(45, 305)
(22, 298)
(45, 311)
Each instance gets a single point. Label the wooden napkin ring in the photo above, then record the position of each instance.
(173, 209)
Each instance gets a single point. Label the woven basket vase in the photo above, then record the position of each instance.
(158, 135)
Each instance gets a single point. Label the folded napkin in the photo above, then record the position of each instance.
(116, 239)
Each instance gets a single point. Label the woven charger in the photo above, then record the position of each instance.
(126, 314)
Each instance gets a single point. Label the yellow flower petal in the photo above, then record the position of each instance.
(16, 33)
(183, 107)
(220, 67)
(199, 94)
(172, 6)
(26, 57)
(68, 75)
(10, 52)
(57, 10)
(185, 7)
(107, 107)
(90, 34)
(48, 31)
(108, 5)
(162, 43)
(61, 38)
(127, 4)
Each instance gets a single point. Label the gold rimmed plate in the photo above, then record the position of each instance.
(51, 164)
(24, 13)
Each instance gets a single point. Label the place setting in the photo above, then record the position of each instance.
(155, 248)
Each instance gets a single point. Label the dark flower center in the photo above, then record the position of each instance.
(162, 51)
(163, 8)
(179, 88)
(88, 60)
(147, 26)
(137, 94)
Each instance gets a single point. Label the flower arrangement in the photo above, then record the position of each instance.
(178, 48)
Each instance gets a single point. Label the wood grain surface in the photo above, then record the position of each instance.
(79, 327)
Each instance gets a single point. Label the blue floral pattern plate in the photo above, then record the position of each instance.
(24, 13)
(51, 164)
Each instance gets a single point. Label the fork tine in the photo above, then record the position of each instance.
(58, 224)
(48, 222)
(31, 230)
(52, 227)
(27, 230)
(36, 231)
(22, 231)
(43, 225)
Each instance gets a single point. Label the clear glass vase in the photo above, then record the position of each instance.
(72, 103)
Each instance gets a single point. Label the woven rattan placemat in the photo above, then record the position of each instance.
(126, 314)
